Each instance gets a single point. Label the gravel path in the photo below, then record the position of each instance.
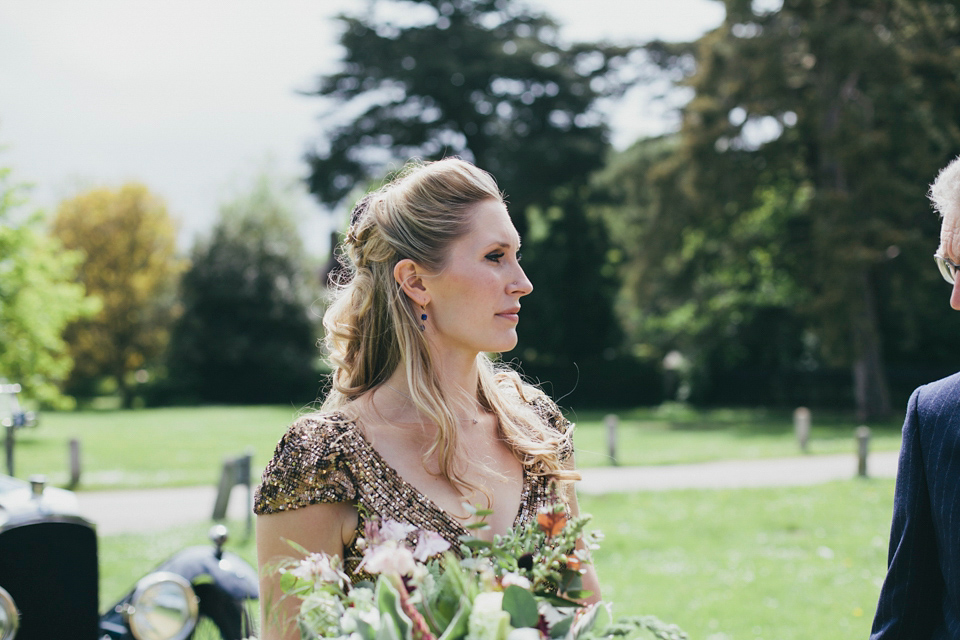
(141, 511)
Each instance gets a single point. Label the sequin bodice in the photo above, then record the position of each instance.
(325, 458)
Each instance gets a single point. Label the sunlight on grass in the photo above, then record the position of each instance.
(186, 446)
(780, 564)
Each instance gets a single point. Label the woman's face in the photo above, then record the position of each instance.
(475, 298)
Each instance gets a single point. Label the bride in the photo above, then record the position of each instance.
(419, 424)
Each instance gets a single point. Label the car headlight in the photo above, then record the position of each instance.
(163, 607)
(9, 618)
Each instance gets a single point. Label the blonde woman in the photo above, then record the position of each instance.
(419, 421)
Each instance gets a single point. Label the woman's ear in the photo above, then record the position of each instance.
(410, 278)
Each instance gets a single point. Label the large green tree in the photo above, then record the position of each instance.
(488, 80)
(246, 335)
(128, 241)
(38, 298)
(815, 126)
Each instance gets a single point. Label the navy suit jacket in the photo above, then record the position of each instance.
(920, 598)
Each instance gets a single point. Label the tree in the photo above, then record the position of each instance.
(130, 263)
(38, 297)
(488, 80)
(836, 115)
(245, 335)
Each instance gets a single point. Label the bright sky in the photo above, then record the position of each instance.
(193, 98)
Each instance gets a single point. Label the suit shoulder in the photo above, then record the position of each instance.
(942, 391)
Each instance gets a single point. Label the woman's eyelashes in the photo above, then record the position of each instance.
(497, 256)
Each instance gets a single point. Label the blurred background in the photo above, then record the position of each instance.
(723, 203)
(723, 206)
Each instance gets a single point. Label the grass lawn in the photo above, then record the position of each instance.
(778, 564)
(185, 446)
(672, 435)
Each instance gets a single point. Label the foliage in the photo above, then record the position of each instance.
(130, 263)
(246, 335)
(520, 586)
(489, 80)
(796, 185)
(38, 297)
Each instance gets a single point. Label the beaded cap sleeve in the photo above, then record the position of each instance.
(312, 464)
(325, 458)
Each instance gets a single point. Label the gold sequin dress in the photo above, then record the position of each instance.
(325, 458)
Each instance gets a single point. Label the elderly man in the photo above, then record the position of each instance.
(920, 598)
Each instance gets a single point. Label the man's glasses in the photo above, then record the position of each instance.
(947, 269)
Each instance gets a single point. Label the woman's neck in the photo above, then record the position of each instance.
(457, 384)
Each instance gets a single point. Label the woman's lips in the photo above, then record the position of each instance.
(510, 314)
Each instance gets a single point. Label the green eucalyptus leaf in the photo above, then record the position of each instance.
(388, 629)
(287, 580)
(366, 630)
(477, 543)
(521, 605)
(459, 625)
(571, 581)
(560, 629)
(388, 601)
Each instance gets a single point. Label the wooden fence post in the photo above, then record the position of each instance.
(613, 423)
(74, 447)
(863, 449)
(801, 426)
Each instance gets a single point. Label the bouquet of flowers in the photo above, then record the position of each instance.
(525, 585)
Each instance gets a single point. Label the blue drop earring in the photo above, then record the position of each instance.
(423, 320)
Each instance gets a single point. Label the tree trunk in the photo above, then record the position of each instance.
(871, 392)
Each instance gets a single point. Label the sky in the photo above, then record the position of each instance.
(194, 98)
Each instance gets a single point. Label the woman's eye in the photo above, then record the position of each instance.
(495, 257)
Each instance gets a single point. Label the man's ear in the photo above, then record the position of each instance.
(410, 278)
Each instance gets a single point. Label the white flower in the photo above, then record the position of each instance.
(525, 633)
(318, 566)
(393, 530)
(488, 620)
(509, 579)
(429, 544)
(389, 557)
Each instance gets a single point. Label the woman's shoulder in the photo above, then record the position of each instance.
(312, 463)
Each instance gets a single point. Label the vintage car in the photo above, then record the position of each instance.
(49, 578)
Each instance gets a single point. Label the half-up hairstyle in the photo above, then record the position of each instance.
(372, 327)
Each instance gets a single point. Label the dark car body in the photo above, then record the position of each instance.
(49, 570)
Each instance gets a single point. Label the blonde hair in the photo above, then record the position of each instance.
(372, 327)
(945, 190)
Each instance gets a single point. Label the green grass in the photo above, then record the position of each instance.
(150, 447)
(675, 434)
(185, 446)
(780, 564)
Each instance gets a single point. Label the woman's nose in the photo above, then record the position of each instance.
(522, 285)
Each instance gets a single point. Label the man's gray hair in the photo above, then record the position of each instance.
(945, 190)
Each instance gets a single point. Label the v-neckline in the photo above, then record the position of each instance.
(427, 500)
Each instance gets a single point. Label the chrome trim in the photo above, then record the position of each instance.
(150, 581)
(39, 518)
(9, 631)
